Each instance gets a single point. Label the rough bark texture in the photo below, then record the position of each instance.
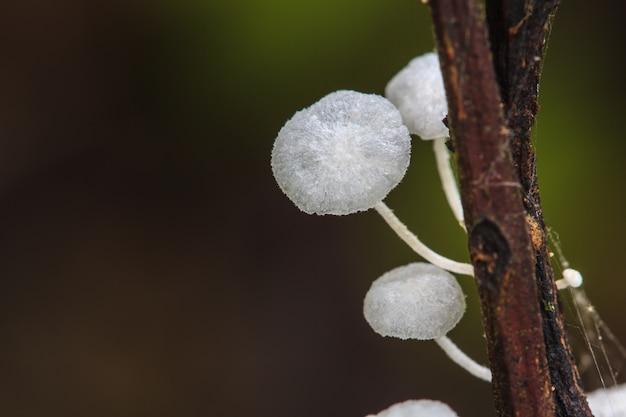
(492, 106)
(518, 31)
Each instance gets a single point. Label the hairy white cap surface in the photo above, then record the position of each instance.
(573, 277)
(417, 408)
(418, 92)
(343, 154)
(609, 402)
(415, 301)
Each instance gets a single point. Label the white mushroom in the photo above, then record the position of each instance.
(420, 301)
(418, 92)
(571, 278)
(343, 154)
(608, 402)
(416, 301)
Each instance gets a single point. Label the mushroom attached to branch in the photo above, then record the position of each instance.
(418, 92)
(420, 301)
(344, 154)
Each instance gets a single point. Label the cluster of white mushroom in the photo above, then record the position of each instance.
(343, 155)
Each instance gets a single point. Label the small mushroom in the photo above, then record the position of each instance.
(418, 92)
(420, 301)
(416, 301)
(571, 278)
(343, 154)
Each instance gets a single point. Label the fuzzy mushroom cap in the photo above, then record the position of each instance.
(573, 277)
(343, 154)
(416, 301)
(608, 402)
(418, 92)
(417, 408)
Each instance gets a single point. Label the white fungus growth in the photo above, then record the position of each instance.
(343, 154)
(418, 92)
(417, 408)
(416, 301)
(571, 278)
(608, 402)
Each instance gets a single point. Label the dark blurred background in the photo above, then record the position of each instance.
(149, 265)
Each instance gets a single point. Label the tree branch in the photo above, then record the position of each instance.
(527, 345)
(518, 31)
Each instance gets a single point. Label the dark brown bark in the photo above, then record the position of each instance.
(491, 111)
(518, 32)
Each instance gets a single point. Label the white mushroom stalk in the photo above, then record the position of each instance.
(418, 247)
(448, 180)
(460, 358)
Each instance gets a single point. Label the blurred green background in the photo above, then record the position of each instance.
(149, 265)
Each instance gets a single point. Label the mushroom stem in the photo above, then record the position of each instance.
(461, 359)
(414, 243)
(448, 181)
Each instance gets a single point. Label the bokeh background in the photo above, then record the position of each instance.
(149, 265)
